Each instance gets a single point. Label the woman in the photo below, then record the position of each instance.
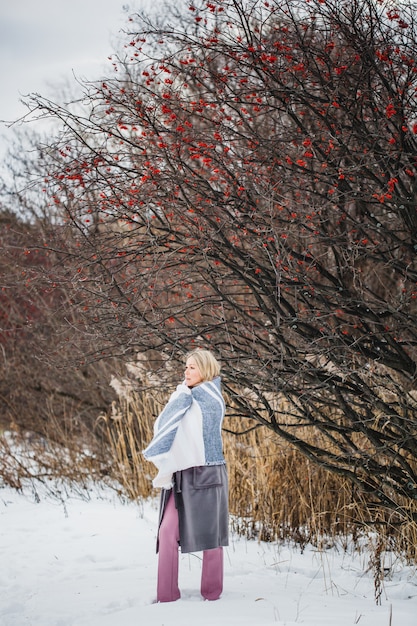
(187, 450)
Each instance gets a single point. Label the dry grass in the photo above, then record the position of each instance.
(276, 492)
(128, 428)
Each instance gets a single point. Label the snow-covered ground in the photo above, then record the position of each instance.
(93, 563)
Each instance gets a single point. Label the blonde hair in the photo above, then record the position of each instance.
(206, 362)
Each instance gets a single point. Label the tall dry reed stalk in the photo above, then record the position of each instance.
(128, 428)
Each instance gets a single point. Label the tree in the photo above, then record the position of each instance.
(42, 391)
(247, 181)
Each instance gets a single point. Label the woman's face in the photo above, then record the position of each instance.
(192, 373)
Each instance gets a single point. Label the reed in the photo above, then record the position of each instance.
(128, 428)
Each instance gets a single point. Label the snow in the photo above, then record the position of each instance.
(91, 562)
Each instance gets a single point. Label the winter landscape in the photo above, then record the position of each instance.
(234, 175)
(91, 562)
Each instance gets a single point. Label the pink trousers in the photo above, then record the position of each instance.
(168, 558)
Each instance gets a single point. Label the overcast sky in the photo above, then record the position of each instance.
(44, 42)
